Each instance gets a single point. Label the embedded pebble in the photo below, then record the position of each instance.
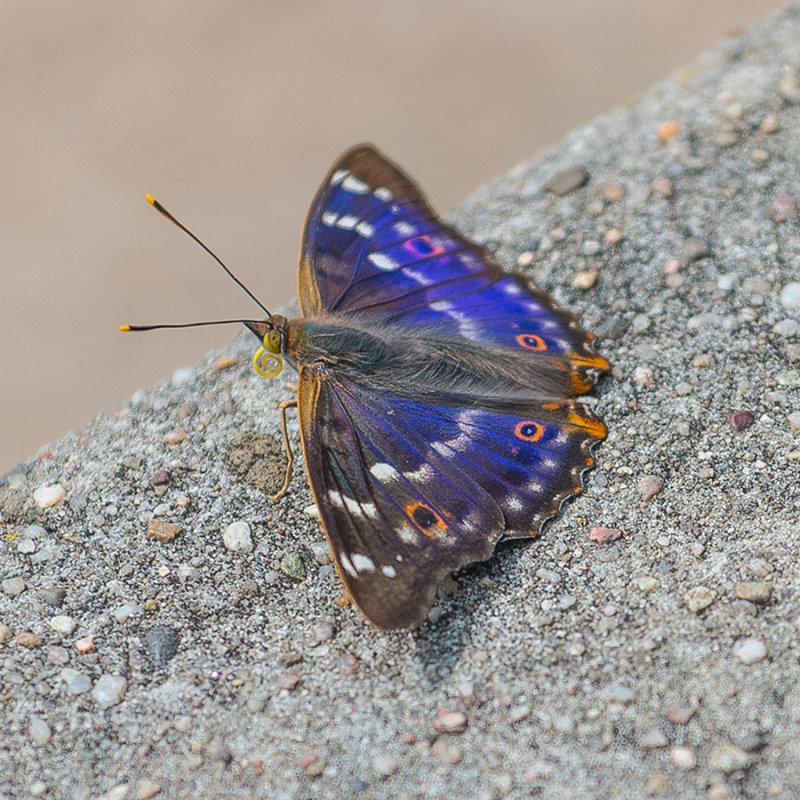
(683, 389)
(783, 207)
(584, 279)
(124, 612)
(321, 552)
(739, 420)
(29, 639)
(649, 486)
(790, 295)
(182, 375)
(617, 693)
(145, 789)
(643, 376)
(26, 546)
(109, 690)
(385, 765)
(13, 586)
(76, 682)
(680, 715)
(653, 739)
(162, 643)
(347, 664)
(174, 436)
(728, 758)
(703, 360)
(663, 186)
(323, 631)
(754, 591)
(698, 598)
(446, 752)
(40, 731)
(63, 624)
(292, 566)
(567, 181)
(750, 651)
(794, 421)
(288, 681)
(603, 535)
(160, 477)
(162, 531)
(647, 583)
(787, 328)
(666, 130)
(225, 362)
(447, 721)
(237, 538)
(47, 496)
(683, 758)
(5, 633)
(85, 644)
(641, 322)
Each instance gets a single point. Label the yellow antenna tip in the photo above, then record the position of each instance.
(150, 199)
(124, 327)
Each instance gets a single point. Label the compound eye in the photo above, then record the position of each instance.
(272, 341)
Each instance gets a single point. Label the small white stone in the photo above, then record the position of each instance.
(47, 496)
(750, 651)
(182, 375)
(790, 295)
(237, 538)
(124, 612)
(109, 690)
(40, 731)
(683, 758)
(63, 624)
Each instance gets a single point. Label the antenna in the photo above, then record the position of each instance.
(163, 211)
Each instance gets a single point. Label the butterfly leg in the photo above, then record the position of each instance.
(288, 447)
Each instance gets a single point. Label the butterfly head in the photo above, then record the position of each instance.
(271, 332)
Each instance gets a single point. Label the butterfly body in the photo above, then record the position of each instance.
(436, 392)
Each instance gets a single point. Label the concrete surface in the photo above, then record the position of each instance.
(662, 662)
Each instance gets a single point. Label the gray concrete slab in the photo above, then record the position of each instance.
(662, 662)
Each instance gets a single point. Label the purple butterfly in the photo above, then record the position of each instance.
(435, 392)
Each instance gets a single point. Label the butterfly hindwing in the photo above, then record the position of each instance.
(409, 491)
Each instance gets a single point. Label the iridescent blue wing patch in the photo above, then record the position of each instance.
(409, 491)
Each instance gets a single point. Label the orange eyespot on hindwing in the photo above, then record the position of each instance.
(529, 431)
(425, 518)
(530, 341)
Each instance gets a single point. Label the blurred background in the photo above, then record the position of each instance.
(230, 113)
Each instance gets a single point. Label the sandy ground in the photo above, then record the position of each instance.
(663, 661)
(231, 114)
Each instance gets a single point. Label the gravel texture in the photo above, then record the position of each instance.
(645, 644)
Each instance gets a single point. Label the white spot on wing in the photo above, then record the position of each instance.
(408, 534)
(347, 566)
(354, 185)
(404, 228)
(339, 176)
(362, 563)
(384, 472)
(389, 571)
(382, 261)
(365, 229)
(382, 193)
(442, 305)
(424, 279)
(513, 503)
(347, 222)
(329, 218)
(423, 474)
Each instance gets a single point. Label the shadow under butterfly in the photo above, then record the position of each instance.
(436, 392)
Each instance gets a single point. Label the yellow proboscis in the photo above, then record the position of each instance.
(267, 364)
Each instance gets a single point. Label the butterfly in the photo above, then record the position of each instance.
(437, 394)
